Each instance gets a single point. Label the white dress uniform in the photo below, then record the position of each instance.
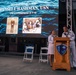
(71, 35)
(50, 44)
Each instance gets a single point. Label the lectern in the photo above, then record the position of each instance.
(62, 53)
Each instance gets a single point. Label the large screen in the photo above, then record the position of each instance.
(28, 18)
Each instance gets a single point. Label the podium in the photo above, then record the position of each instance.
(61, 61)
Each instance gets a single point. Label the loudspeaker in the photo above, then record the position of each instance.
(12, 44)
(13, 40)
(2, 40)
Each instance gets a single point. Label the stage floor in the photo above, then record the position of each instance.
(14, 65)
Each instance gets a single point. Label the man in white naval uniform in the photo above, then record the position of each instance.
(71, 35)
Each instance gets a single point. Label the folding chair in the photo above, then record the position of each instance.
(28, 54)
(43, 55)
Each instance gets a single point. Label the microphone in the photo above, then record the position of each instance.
(54, 36)
(66, 34)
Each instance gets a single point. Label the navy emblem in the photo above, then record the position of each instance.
(62, 49)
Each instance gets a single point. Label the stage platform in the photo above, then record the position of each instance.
(14, 65)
